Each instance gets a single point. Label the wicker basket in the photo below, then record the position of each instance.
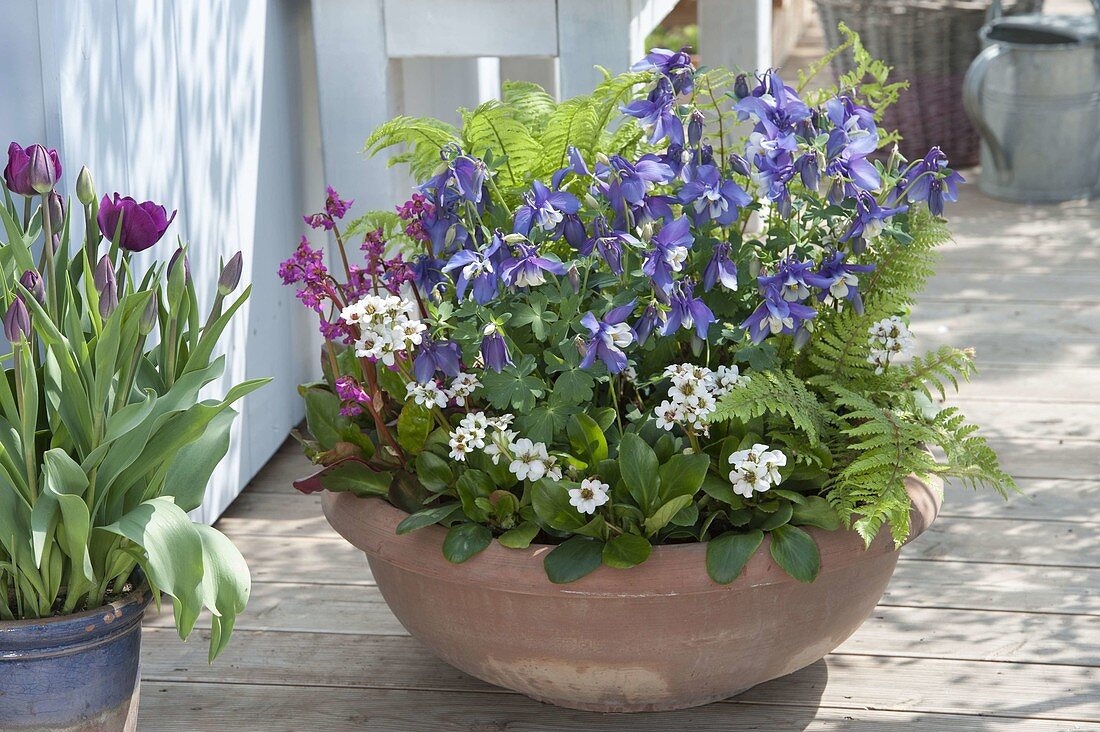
(931, 44)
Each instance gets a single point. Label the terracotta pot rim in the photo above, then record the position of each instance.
(369, 524)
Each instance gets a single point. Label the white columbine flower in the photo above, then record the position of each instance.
(591, 495)
(529, 459)
(755, 470)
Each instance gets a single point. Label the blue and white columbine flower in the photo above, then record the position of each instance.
(544, 208)
(608, 338)
(709, 198)
(527, 269)
(669, 252)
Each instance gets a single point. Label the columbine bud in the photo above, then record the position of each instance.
(514, 238)
(591, 201)
(695, 128)
(56, 209)
(32, 281)
(17, 321)
(754, 266)
(42, 174)
(231, 275)
(574, 278)
(741, 86)
(106, 286)
(801, 338)
(739, 164)
(85, 187)
(603, 158)
(646, 231)
(450, 237)
(149, 315)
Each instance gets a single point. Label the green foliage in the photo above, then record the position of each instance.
(422, 137)
(778, 393)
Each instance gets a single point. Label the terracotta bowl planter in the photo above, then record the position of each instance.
(655, 637)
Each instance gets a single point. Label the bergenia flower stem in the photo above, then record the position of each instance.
(374, 408)
(343, 252)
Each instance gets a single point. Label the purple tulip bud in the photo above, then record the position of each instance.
(149, 315)
(17, 321)
(695, 128)
(143, 224)
(85, 187)
(32, 281)
(104, 277)
(56, 209)
(30, 169)
(176, 255)
(741, 86)
(494, 351)
(231, 275)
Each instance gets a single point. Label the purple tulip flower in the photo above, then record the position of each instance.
(494, 351)
(688, 311)
(713, 199)
(669, 252)
(33, 170)
(608, 338)
(435, 356)
(527, 268)
(143, 224)
(33, 283)
(17, 321)
(720, 268)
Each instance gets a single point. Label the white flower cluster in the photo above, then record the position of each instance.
(387, 325)
(694, 393)
(755, 470)
(527, 460)
(432, 394)
(591, 494)
(890, 340)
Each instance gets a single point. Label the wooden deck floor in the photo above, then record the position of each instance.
(992, 621)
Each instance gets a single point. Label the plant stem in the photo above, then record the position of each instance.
(47, 253)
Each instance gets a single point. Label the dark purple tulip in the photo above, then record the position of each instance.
(56, 209)
(231, 275)
(106, 286)
(17, 321)
(32, 170)
(494, 351)
(176, 256)
(32, 281)
(143, 224)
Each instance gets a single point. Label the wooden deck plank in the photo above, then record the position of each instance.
(900, 631)
(191, 707)
(902, 684)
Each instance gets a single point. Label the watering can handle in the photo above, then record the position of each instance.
(972, 102)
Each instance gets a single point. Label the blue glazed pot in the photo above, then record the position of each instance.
(76, 673)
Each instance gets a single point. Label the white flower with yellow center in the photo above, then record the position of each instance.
(529, 459)
(591, 494)
(755, 470)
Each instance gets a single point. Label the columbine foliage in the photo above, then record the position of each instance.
(104, 442)
(620, 325)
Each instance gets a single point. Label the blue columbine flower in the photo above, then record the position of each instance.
(807, 169)
(494, 351)
(869, 221)
(527, 268)
(712, 198)
(427, 274)
(931, 182)
(469, 177)
(434, 356)
(608, 338)
(635, 179)
(657, 112)
(608, 243)
(839, 281)
(645, 324)
(669, 252)
(790, 277)
(720, 268)
(771, 178)
(687, 311)
(676, 65)
(576, 166)
(476, 268)
(776, 315)
(545, 208)
(776, 107)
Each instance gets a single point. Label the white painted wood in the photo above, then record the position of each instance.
(195, 104)
(736, 34)
(542, 71)
(590, 33)
(645, 16)
(471, 28)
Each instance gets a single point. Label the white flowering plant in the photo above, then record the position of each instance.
(605, 332)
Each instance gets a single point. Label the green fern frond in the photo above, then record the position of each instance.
(498, 127)
(393, 229)
(612, 93)
(777, 393)
(573, 123)
(970, 459)
(423, 138)
(532, 104)
(934, 371)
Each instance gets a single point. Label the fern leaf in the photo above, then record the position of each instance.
(573, 123)
(498, 127)
(423, 138)
(532, 104)
(779, 393)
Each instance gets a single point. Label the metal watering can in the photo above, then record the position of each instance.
(1033, 94)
